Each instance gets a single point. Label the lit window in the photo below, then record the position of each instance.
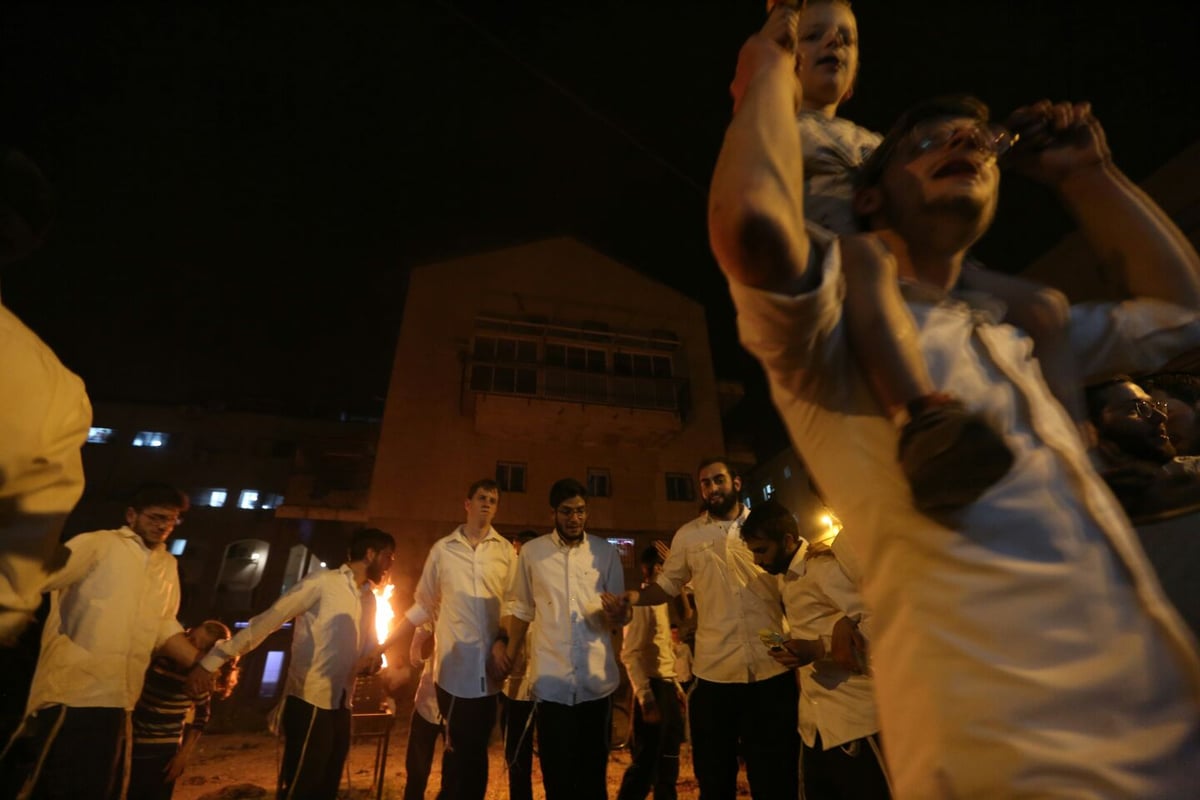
(787, 472)
(768, 490)
(510, 476)
(599, 483)
(626, 549)
(248, 499)
(212, 498)
(680, 487)
(746, 502)
(178, 546)
(150, 439)
(272, 669)
(99, 435)
(271, 501)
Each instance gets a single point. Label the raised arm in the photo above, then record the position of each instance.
(1063, 147)
(756, 201)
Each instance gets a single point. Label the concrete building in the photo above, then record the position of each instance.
(539, 362)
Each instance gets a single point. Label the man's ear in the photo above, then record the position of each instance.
(868, 201)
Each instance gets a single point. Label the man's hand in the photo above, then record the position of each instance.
(617, 608)
(1057, 141)
(369, 664)
(771, 48)
(797, 653)
(499, 664)
(663, 549)
(175, 766)
(396, 676)
(650, 711)
(849, 648)
(199, 681)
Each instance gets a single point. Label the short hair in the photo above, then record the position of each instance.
(565, 489)
(228, 673)
(708, 461)
(147, 495)
(1097, 396)
(941, 107)
(526, 536)
(650, 557)
(487, 484)
(365, 539)
(1182, 386)
(772, 521)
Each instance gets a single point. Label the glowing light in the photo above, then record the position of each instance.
(383, 613)
(255, 556)
(324, 565)
(830, 526)
(826, 520)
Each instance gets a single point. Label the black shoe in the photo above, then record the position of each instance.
(951, 457)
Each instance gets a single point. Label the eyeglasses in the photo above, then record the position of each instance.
(987, 138)
(566, 511)
(1146, 409)
(164, 519)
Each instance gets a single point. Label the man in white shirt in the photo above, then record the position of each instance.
(1024, 646)
(44, 418)
(112, 606)
(334, 634)
(829, 630)
(744, 702)
(463, 584)
(567, 584)
(658, 707)
(516, 715)
(425, 726)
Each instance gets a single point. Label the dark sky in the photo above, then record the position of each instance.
(241, 192)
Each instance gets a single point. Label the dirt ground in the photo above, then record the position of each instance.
(225, 761)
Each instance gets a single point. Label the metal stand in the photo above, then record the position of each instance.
(377, 726)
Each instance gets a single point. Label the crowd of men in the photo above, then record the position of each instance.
(1005, 639)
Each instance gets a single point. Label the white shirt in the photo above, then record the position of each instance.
(646, 648)
(44, 419)
(334, 627)
(835, 702)
(735, 599)
(1031, 652)
(558, 588)
(465, 585)
(114, 603)
(683, 661)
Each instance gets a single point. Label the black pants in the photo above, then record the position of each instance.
(518, 748)
(655, 747)
(573, 749)
(851, 771)
(315, 744)
(66, 753)
(148, 772)
(469, 722)
(759, 721)
(418, 759)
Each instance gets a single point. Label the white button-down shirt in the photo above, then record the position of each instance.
(735, 599)
(835, 702)
(334, 627)
(558, 588)
(646, 648)
(465, 587)
(1031, 650)
(44, 419)
(114, 603)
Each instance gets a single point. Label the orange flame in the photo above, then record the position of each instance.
(383, 613)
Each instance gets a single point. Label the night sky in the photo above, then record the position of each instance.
(242, 192)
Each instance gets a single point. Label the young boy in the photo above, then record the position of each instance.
(949, 455)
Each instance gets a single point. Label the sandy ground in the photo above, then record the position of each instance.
(223, 761)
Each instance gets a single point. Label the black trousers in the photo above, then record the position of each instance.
(851, 771)
(418, 759)
(655, 747)
(148, 772)
(315, 744)
(573, 749)
(518, 747)
(757, 720)
(63, 753)
(469, 722)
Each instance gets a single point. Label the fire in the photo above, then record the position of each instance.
(383, 613)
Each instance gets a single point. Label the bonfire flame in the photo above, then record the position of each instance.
(383, 613)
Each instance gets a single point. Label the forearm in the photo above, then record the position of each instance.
(404, 628)
(756, 201)
(1130, 232)
(652, 594)
(180, 650)
(517, 629)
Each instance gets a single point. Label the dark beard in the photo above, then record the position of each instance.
(724, 506)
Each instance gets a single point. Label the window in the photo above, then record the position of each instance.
(150, 439)
(271, 501)
(213, 498)
(510, 476)
(680, 487)
(626, 549)
(768, 490)
(598, 483)
(99, 435)
(746, 503)
(248, 499)
(501, 371)
(272, 669)
(177, 546)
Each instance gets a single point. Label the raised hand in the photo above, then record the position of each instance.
(773, 46)
(1056, 140)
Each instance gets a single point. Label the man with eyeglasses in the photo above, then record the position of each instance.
(1134, 450)
(112, 606)
(1022, 645)
(567, 584)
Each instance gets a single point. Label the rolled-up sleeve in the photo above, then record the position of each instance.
(520, 593)
(426, 596)
(1132, 337)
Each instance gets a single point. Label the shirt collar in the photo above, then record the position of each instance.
(491, 535)
(560, 543)
(991, 307)
(736, 521)
(796, 567)
(130, 533)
